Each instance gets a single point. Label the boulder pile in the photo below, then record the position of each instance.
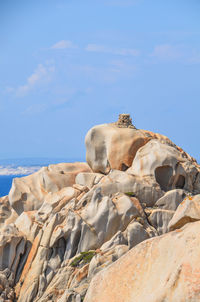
(122, 227)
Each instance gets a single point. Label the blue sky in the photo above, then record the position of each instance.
(67, 65)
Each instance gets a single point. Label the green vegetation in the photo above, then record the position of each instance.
(84, 257)
(82, 298)
(131, 194)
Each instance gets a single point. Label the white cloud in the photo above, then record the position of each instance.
(167, 52)
(42, 74)
(105, 49)
(63, 44)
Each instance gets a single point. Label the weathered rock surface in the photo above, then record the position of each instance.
(187, 211)
(171, 199)
(155, 270)
(160, 219)
(5, 210)
(169, 167)
(29, 192)
(88, 179)
(114, 146)
(66, 224)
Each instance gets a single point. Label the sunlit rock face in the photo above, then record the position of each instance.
(63, 228)
(28, 193)
(169, 167)
(114, 146)
(155, 270)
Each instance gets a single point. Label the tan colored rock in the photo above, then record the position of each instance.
(137, 233)
(106, 216)
(7, 214)
(155, 270)
(110, 147)
(114, 146)
(169, 167)
(28, 193)
(64, 211)
(88, 179)
(5, 210)
(80, 188)
(69, 232)
(187, 211)
(171, 199)
(119, 238)
(106, 258)
(160, 219)
(27, 225)
(6, 284)
(12, 246)
(146, 190)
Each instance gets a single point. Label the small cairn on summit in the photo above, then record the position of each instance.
(124, 121)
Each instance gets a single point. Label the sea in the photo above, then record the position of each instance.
(12, 168)
(6, 183)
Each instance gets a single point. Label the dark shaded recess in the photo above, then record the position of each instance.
(58, 249)
(19, 206)
(24, 197)
(180, 182)
(84, 203)
(70, 298)
(5, 256)
(163, 175)
(22, 261)
(75, 244)
(124, 167)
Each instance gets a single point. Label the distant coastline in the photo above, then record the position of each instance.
(19, 167)
(25, 166)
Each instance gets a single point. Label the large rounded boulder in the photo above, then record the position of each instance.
(160, 269)
(114, 146)
(167, 165)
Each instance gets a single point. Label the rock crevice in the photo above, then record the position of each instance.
(97, 225)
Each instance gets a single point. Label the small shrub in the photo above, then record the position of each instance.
(131, 194)
(83, 258)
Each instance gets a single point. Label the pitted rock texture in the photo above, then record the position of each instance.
(110, 147)
(63, 227)
(167, 165)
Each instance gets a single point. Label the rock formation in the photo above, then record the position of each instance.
(75, 232)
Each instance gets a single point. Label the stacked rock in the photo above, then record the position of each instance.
(124, 121)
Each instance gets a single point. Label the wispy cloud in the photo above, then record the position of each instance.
(115, 51)
(179, 53)
(64, 44)
(167, 52)
(42, 74)
(108, 73)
